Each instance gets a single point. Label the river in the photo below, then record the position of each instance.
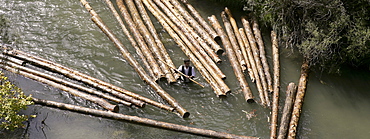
(336, 105)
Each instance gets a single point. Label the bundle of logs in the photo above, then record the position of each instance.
(243, 46)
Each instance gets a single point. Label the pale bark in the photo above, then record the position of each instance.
(275, 95)
(287, 111)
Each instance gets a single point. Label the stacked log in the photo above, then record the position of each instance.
(205, 68)
(258, 62)
(298, 102)
(149, 39)
(231, 54)
(154, 33)
(287, 111)
(275, 95)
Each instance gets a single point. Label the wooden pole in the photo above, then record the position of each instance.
(149, 39)
(130, 38)
(181, 23)
(101, 102)
(236, 41)
(287, 111)
(258, 36)
(275, 96)
(73, 74)
(154, 33)
(204, 34)
(67, 83)
(231, 55)
(256, 54)
(174, 68)
(140, 39)
(138, 120)
(253, 65)
(205, 25)
(183, 42)
(298, 103)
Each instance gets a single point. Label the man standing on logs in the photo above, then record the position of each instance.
(187, 70)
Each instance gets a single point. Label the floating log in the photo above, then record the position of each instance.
(258, 36)
(181, 23)
(275, 95)
(149, 39)
(204, 34)
(298, 102)
(69, 84)
(140, 39)
(287, 111)
(101, 102)
(253, 65)
(205, 25)
(73, 74)
(257, 59)
(231, 55)
(190, 50)
(138, 120)
(130, 38)
(153, 31)
(238, 42)
(184, 113)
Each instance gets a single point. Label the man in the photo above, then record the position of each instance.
(187, 70)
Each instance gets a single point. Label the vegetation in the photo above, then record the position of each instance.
(329, 33)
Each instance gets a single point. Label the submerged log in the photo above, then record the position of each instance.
(159, 90)
(197, 41)
(253, 65)
(149, 39)
(257, 59)
(205, 25)
(140, 39)
(154, 33)
(287, 111)
(183, 42)
(258, 36)
(275, 95)
(207, 37)
(138, 120)
(298, 102)
(101, 102)
(130, 38)
(232, 57)
(67, 83)
(73, 74)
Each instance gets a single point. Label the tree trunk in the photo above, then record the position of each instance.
(139, 38)
(205, 25)
(183, 42)
(234, 63)
(157, 39)
(138, 120)
(198, 42)
(207, 37)
(69, 84)
(149, 39)
(73, 74)
(257, 59)
(258, 36)
(253, 65)
(101, 102)
(275, 96)
(298, 103)
(287, 111)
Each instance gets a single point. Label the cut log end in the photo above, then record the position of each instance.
(217, 38)
(186, 115)
(250, 100)
(220, 52)
(115, 108)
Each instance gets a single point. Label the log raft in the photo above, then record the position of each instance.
(275, 95)
(287, 111)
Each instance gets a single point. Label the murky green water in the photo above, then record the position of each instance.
(336, 106)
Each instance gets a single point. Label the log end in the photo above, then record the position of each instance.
(220, 51)
(186, 115)
(115, 108)
(217, 39)
(250, 100)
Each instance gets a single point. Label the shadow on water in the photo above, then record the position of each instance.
(336, 106)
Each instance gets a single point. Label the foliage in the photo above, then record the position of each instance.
(328, 32)
(12, 100)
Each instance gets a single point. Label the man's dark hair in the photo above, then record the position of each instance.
(186, 60)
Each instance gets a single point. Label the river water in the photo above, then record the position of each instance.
(336, 105)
